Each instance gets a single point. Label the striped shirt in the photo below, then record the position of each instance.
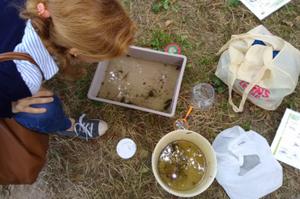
(32, 44)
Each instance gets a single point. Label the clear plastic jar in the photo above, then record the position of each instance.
(203, 96)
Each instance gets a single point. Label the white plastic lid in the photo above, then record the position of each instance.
(126, 148)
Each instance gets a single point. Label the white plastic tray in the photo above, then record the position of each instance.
(145, 54)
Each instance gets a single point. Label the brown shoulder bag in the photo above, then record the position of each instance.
(22, 151)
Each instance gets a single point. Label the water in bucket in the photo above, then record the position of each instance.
(181, 165)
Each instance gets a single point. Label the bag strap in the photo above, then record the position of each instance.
(267, 58)
(276, 42)
(247, 90)
(233, 76)
(20, 56)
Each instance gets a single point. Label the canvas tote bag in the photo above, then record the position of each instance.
(260, 67)
(22, 151)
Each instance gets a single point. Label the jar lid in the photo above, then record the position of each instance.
(173, 48)
(126, 148)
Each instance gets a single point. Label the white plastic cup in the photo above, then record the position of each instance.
(205, 147)
(203, 96)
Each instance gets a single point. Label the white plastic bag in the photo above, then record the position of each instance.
(246, 166)
(260, 66)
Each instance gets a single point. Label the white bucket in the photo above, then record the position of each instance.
(205, 147)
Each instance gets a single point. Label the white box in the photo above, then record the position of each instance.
(144, 54)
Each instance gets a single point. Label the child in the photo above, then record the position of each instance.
(51, 32)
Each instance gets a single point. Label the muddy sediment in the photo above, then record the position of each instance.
(140, 82)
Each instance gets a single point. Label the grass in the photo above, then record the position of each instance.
(233, 3)
(79, 169)
(219, 86)
(160, 39)
(160, 5)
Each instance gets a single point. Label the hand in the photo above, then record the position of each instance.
(41, 97)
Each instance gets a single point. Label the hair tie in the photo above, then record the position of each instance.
(42, 11)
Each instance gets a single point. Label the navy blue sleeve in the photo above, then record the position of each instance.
(11, 25)
(12, 86)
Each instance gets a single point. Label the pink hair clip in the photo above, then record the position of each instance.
(42, 11)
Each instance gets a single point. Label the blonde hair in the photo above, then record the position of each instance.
(100, 29)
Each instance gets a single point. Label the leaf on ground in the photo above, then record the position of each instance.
(168, 23)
